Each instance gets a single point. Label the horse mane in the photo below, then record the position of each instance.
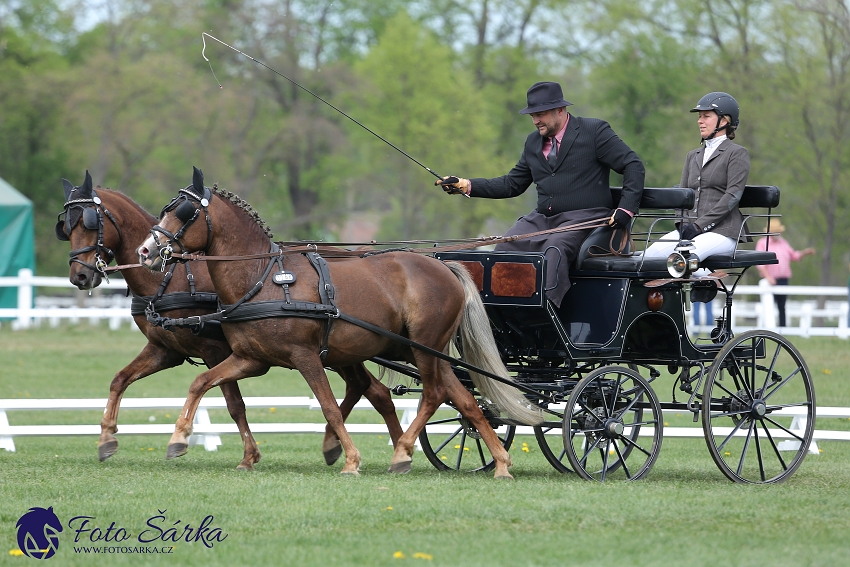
(245, 206)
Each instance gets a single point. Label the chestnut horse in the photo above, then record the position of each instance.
(415, 296)
(102, 224)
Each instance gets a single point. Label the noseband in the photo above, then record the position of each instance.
(186, 211)
(92, 220)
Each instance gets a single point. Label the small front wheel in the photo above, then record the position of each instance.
(606, 411)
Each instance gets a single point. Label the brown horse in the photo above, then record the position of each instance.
(411, 295)
(102, 224)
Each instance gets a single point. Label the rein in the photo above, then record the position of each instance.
(328, 250)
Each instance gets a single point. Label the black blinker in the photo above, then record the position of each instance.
(90, 220)
(60, 231)
(185, 211)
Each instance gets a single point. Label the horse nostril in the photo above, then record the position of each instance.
(143, 252)
(81, 278)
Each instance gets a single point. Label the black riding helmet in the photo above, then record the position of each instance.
(724, 105)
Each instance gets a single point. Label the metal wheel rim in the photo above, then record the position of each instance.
(749, 447)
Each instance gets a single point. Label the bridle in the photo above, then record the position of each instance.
(187, 211)
(92, 220)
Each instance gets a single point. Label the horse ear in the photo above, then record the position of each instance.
(85, 190)
(198, 180)
(69, 188)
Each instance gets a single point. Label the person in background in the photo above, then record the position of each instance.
(779, 274)
(706, 308)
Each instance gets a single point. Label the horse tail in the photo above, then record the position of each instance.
(479, 349)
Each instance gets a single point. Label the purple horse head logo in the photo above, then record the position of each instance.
(38, 533)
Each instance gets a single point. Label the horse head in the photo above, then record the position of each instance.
(192, 221)
(92, 240)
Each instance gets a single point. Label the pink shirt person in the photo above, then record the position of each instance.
(785, 254)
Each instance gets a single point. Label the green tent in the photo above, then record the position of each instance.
(17, 239)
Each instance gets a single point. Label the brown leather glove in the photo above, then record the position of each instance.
(455, 185)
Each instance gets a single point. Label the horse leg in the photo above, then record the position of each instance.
(377, 394)
(236, 407)
(231, 369)
(356, 385)
(433, 394)
(310, 366)
(468, 407)
(152, 359)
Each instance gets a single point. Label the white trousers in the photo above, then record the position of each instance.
(706, 244)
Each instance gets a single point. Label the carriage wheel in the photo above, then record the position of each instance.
(553, 448)
(604, 415)
(758, 408)
(451, 443)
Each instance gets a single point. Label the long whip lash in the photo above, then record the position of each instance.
(204, 35)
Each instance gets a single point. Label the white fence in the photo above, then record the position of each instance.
(758, 313)
(207, 433)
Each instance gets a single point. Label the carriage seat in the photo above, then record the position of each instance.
(589, 261)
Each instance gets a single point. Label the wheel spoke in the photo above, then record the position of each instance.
(758, 452)
(446, 442)
(460, 451)
(636, 446)
(441, 421)
(785, 429)
(731, 393)
(588, 451)
(746, 446)
(780, 384)
(598, 381)
(775, 447)
(732, 434)
(605, 458)
(623, 460)
(481, 452)
(772, 364)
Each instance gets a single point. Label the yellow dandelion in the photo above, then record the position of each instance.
(443, 457)
(728, 454)
(457, 446)
(826, 371)
(666, 423)
(272, 410)
(15, 552)
(820, 450)
(399, 555)
(150, 448)
(524, 444)
(168, 415)
(420, 555)
(388, 508)
(466, 448)
(525, 449)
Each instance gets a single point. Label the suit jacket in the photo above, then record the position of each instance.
(719, 185)
(580, 177)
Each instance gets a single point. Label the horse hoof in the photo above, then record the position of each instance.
(506, 476)
(400, 468)
(332, 455)
(351, 473)
(107, 450)
(176, 450)
(245, 467)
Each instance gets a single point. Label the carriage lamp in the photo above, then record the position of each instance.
(681, 263)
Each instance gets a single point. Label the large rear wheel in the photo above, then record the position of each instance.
(758, 408)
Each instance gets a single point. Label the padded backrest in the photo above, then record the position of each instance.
(661, 197)
(765, 196)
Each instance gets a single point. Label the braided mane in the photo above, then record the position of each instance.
(242, 204)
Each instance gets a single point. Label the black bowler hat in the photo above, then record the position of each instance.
(544, 96)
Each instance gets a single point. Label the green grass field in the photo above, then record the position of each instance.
(295, 510)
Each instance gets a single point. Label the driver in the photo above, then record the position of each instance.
(569, 159)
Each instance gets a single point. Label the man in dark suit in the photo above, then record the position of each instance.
(569, 159)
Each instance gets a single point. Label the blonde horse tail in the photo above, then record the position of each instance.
(479, 349)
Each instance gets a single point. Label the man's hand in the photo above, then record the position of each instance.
(455, 185)
(620, 219)
(689, 231)
(808, 251)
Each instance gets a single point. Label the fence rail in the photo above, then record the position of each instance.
(207, 433)
(802, 307)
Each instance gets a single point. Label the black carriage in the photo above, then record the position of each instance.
(592, 362)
